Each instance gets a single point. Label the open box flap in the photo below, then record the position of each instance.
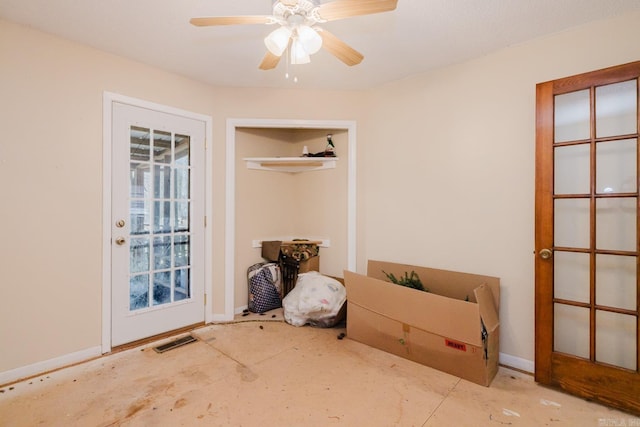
(488, 311)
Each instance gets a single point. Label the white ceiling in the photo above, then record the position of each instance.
(418, 36)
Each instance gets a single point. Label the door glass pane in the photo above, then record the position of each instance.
(162, 182)
(182, 183)
(181, 251)
(161, 287)
(181, 217)
(140, 145)
(140, 218)
(140, 180)
(616, 339)
(616, 223)
(616, 281)
(161, 252)
(161, 217)
(159, 207)
(571, 223)
(139, 292)
(572, 167)
(571, 330)
(571, 276)
(161, 147)
(571, 116)
(616, 109)
(616, 166)
(182, 150)
(182, 288)
(139, 255)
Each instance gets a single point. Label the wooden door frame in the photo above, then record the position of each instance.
(547, 363)
(543, 229)
(108, 99)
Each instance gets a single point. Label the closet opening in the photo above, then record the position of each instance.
(275, 191)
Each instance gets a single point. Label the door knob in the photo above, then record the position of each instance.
(546, 254)
(120, 241)
(120, 223)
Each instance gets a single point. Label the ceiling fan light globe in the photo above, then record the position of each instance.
(298, 54)
(278, 40)
(310, 39)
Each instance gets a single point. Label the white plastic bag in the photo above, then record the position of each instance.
(316, 300)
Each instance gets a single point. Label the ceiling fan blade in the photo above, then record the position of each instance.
(269, 62)
(339, 9)
(231, 20)
(340, 49)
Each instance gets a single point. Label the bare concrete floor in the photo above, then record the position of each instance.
(263, 372)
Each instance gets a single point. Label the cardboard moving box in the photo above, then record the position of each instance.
(454, 327)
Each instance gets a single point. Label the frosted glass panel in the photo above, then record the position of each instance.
(571, 330)
(616, 339)
(571, 169)
(571, 223)
(616, 109)
(616, 223)
(571, 276)
(616, 166)
(571, 116)
(616, 281)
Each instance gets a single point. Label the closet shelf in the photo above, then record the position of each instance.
(291, 164)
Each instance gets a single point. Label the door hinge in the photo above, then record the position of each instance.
(205, 221)
(205, 299)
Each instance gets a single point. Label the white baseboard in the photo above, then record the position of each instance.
(240, 310)
(221, 318)
(517, 363)
(49, 365)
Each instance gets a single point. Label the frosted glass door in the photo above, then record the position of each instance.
(595, 223)
(587, 297)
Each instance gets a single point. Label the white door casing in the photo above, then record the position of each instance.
(154, 220)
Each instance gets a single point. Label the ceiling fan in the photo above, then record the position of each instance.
(298, 29)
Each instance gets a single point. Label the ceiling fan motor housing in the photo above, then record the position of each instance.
(304, 11)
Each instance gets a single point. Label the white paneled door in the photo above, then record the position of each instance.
(157, 223)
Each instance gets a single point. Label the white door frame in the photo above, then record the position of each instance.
(107, 102)
(230, 238)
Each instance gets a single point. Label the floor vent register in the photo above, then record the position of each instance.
(175, 344)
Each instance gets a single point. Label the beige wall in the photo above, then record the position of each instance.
(449, 155)
(51, 175)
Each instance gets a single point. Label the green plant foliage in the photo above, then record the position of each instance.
(409, 280)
